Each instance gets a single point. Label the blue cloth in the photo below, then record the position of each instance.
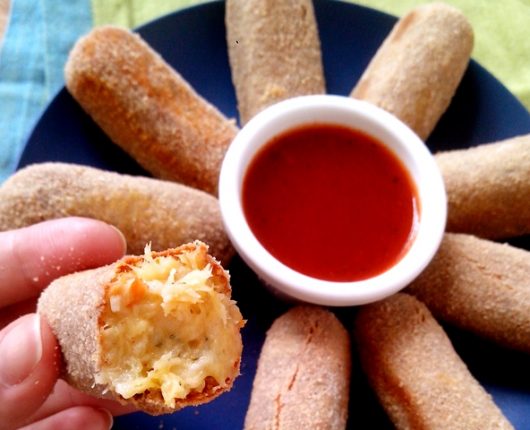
(37, 41)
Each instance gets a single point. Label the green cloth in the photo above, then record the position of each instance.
(132, 13)
(502, 44)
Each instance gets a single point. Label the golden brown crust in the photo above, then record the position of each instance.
(274, 52)
(480, 286)
(73, 305)
(417, 69)
(420, 380)
(147, 108)
(488, 188)
(166, 214)
(303, 374)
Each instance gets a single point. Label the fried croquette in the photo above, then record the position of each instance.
(274, 52)
(145, 210)
(148, 108)
(488, 188)
(480, 286)
(412, 366)
(303, 375)
(416, 71)
(157, 331)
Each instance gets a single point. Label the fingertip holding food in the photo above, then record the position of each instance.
(488, 188)
(480, 286)
(77, 417)
(147, 108)
(412, 366)
(65, 245)
(158, 331)
(145, 210)
(303, 375)
(31, 257)
(29, 368)
(21, 350)
(416, 71)
(274, 52)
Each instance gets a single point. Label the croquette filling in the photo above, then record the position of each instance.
(165, 328)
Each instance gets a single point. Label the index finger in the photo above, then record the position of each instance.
(31, 257)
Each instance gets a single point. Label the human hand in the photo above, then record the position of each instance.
(30, 258)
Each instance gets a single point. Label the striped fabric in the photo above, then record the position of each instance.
(38, 39)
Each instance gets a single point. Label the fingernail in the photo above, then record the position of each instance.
(108, 417)
(122, 236)
(20, 350)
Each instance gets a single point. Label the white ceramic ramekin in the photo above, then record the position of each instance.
(386, 128)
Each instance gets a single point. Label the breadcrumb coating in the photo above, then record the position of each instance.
(480, 286)
(274, 52)
(145, 210)
(303, 374)
(416, 71)
(147, 108)
(420, 380)
(488, 188)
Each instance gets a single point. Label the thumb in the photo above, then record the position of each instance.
(29, 368)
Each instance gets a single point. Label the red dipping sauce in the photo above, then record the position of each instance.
(330, 202)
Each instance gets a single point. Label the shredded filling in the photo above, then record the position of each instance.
(166, 328)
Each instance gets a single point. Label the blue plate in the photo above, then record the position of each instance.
(193, 42)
